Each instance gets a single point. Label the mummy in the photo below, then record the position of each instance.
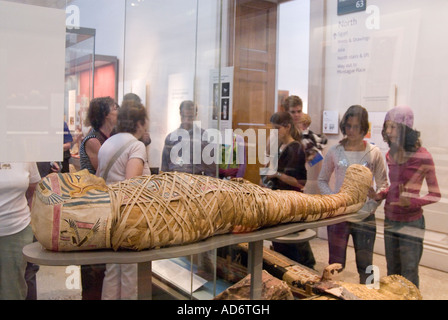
(78, 211)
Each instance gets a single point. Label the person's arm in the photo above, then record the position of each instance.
(325, 173)
(67, 146)
(427, 171)
(34, 180)
(137, 159)
(92, 146)
(287, 179)
(134, 168)
(434, 194)
(68, 139)
(55, 167)
(381, 180)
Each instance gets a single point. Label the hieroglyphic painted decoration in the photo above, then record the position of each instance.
(72, 232)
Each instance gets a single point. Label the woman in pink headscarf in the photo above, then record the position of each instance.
(409, 165)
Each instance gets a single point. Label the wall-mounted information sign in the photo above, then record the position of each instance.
(350, 6)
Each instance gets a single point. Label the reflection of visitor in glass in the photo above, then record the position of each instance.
(184, 146)
(353, 149)
(409, 165)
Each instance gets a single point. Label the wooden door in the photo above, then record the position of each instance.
(254, 54)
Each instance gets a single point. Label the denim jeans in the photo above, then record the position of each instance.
(404, 247)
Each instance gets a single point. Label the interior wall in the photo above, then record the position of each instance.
(293, 49)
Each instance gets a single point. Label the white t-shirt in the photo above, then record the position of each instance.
(117, 172)
(15, 179)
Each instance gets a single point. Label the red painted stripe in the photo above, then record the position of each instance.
(54, 179)
(85, 225)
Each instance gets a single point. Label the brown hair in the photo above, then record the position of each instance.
(359, 112)
(291, 102)
(130, 115)
(99, 108)
(187, 104)
(284, 119)
(408, 137)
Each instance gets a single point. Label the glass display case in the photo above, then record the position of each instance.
(87, 75)
(332, 57)
(238, 61)
(79, 70)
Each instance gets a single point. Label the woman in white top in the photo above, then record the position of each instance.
(122, 157)
(17, 184)
(353, 149)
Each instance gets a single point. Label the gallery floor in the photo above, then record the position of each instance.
(51, 281)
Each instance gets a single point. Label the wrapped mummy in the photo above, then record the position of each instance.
(78, 211)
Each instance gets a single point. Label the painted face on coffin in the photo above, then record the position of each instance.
(72, 211)
(58, 187)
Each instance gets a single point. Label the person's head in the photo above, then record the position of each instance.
(102, 110)
(131, 97)
(132, 118)
(398, 131)
(355, 123)
(304, 122)
(188, 112)
(282, 121)
(293, 105)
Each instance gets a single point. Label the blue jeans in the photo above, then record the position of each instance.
(404, 247)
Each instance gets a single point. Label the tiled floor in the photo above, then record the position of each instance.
(59, 283)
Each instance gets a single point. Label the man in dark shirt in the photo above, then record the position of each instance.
(188, 137)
